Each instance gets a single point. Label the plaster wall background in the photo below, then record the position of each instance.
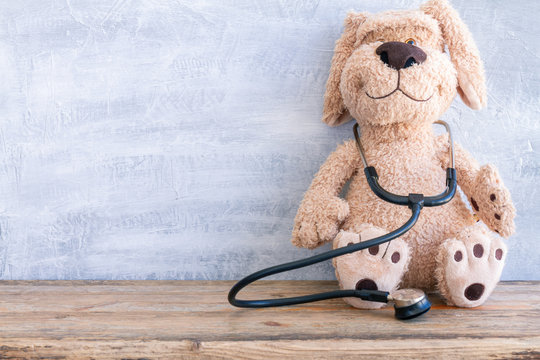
(145, 139)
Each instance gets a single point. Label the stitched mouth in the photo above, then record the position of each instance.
(404, 93)
(398, 89)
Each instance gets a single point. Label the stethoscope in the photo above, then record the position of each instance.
(408, 303)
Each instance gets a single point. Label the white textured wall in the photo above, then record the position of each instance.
(174, 139)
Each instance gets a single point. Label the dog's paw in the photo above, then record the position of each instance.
(318, 221)
(376, 268)
(470, 266)
(492, 201)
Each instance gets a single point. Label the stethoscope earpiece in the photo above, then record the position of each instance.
(409, 303)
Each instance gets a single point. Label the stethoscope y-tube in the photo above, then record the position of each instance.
(409, 303)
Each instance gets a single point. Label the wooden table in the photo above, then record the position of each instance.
(192, 319)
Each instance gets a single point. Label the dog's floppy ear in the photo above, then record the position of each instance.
(463, 52)
(334, 112)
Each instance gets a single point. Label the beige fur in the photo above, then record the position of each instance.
(397, 134)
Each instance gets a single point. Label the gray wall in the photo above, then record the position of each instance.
(172, 140)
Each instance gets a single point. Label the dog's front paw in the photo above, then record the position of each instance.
(318, 220)
(492, 201)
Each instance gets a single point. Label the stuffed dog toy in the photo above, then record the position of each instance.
(391, 73)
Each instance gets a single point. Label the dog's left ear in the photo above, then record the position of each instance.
(463, 53)
(334, 111)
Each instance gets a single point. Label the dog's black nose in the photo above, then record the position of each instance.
(399, 55)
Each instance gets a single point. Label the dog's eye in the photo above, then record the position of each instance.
(411, 41)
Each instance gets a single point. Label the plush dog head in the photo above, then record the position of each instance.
(392, 67)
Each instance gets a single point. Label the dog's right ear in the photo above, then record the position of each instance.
(334, 112)
(463, 52)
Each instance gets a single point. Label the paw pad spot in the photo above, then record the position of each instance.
(395, 257)
(366, 284)
(478, 250)
(474, 204)
(374, 250)
(492, 197)
(458, 256)
(498, 254)
(497, 216)
(474, 292)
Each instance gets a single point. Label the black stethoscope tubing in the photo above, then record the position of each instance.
(414, 201)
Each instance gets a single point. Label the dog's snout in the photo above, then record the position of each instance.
(399, 55)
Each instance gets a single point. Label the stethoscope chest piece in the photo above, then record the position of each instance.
(409, 303)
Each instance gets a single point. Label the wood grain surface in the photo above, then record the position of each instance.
(192, 319)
